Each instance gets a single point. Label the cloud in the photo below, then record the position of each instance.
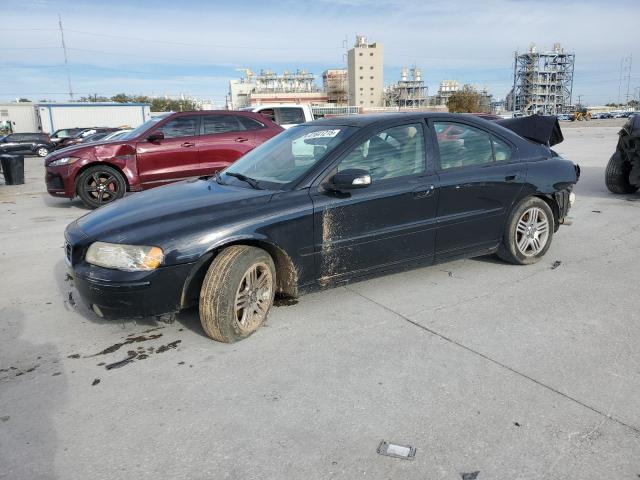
(473, 41)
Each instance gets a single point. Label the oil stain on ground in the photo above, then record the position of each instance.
(116, 346)
(141, 355)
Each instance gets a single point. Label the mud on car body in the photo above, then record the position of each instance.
(322, 203)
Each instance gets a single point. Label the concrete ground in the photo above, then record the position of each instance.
(513, 372)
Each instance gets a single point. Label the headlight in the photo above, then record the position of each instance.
(63, 161)
(130, 258)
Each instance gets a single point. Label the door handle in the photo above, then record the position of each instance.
(241, 139)
(512, 176)
(423, 192)
(188, 144)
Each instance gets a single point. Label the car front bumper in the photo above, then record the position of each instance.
(115, 294)
(60, 181)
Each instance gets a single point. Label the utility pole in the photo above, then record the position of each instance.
(628, 76)
(66, 59)
(345, 59)
(580, 100)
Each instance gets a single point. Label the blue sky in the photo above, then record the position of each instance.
(195, 46)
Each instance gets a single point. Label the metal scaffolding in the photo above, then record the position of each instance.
(300, 81)
(410, 91)
(543, 81)
(336, 83)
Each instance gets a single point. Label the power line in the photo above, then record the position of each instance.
(186, 44)
(28, 29)
(29, 48)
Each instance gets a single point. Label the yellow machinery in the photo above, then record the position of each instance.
(582, 114)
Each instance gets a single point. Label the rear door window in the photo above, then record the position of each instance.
(289, 116)
(501, 150)
(269, 113)
(212, 124)
(250, 124)
(462, 145)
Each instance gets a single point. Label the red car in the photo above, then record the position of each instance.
(164, 149)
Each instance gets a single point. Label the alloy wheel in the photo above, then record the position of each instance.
(532, 232)
(253, 297)
(102, 187)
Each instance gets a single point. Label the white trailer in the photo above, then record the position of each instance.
(21, 116)
(54, 116)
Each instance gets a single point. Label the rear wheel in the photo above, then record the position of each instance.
(528, 232)
(42, 151)
(99, 185)
(237, 293)
(616, 175)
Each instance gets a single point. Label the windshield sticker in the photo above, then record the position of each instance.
(322, 134)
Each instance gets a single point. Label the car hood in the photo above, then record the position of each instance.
(174, 216)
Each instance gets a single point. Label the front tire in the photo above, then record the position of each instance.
(237, 293)
(616, 175)
(100, 185)
(528, 232)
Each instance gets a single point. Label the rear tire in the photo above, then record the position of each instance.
(528, 232)
(100, 185)
(42, 151)
(616, 175)
(237, 293)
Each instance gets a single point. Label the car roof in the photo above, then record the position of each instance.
(376, 118)
(213, 112)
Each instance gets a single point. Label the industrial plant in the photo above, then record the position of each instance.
(360, 86)
(410, 91)
(543, 81)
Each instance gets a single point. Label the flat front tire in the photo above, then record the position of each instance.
(528, 232)
(237, 293)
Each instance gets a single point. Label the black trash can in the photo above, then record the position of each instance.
(13, 169)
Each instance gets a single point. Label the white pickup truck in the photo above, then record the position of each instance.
(285, 115)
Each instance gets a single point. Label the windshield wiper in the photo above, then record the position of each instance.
(244, 178)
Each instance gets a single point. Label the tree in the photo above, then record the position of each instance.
(169, 105)
(94, 98)
(121, 98)
(466, 100)
(157, 104)
(24, 100)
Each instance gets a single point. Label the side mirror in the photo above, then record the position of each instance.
(350, 179)
(156, 137)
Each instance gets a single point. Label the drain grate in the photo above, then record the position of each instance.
(406, 452)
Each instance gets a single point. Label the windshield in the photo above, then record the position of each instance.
(63, 134)
(288, 156)
(145, 126)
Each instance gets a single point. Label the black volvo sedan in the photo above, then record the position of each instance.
(321, 203)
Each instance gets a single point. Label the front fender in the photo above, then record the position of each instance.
(287, 273)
